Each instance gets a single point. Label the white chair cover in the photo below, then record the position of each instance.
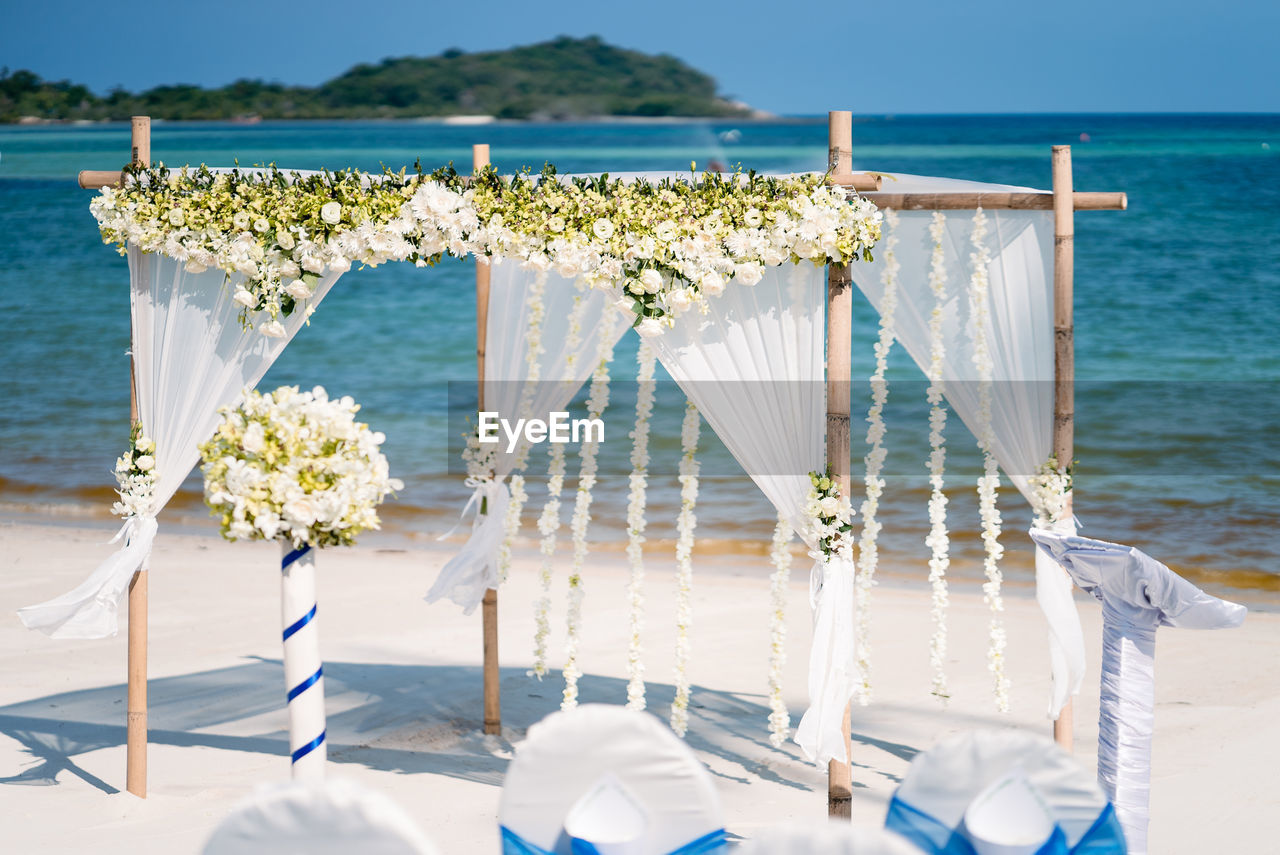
(835, 838)
(616, 761)
(333, 817)
(566, 363)
(1138, 594)
(942, 783)
(191, 356)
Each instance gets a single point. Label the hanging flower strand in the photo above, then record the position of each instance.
(685, 523)
(868, 555)
(938, 541)
(549, 520)
(597, 401)
(645, 362)
(779, 582)
(989, 481)
(533, 373)
(136, 476)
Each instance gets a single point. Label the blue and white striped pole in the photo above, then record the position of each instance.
(302, 670)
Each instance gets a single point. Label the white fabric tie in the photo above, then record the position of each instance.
(833, 669)
(89, 610)
(475, 568)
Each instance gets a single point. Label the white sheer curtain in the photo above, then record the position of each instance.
(1021, 342)
(191, 356)
(754, 367)
(575, 321)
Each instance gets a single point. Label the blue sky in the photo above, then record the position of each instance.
(798, 57)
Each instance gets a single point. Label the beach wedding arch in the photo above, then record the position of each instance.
(740, 285)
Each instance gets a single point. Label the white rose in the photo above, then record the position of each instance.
(261, 225)
(602, 228)
(331, 213)
(145, 444)
(712, 284)
(245, 298)
(680, 299)
(273, 329)
(753, 218)
(649, 327)
(556, 223)
(651, 280)
(298, 290)
(195, 267)
(285, 239)
(177, 217)
(635, 286)
(301, 511)
(748, 274)
(240, 221)
(145, 463)
(666, 231)
(830, 505)
(254, 439)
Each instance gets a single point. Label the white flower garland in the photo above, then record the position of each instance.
(1051, 492)
(549, 520)
(989, 481)
(779, 582)
(646, 361)
(938, 540)
(868, 555)
(532, 358)
(685, 523)
(136, 477)
(597, 401)
(672, 244)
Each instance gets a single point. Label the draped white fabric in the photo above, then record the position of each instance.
(1020, 336)
(575, 321)
(1066, 637)
(191, 356)
(1138, 594)
(753, 365)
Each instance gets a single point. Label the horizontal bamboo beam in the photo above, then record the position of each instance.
(96, 179)
(860, 181)
(995, 201)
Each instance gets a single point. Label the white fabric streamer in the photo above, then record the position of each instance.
(754, 367)
(1066, 638)
(1138, 595)
(467, 575)
(191, 356)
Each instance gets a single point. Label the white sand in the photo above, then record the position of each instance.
(403, 693)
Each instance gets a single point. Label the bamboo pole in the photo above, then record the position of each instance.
(999, 201)
(489, 605)
(859, 181)
(1063, 348)
(839, 359)
(135, 774)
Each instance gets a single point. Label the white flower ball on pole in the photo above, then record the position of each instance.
(298, 468)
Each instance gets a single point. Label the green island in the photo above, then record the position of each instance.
(565, 78)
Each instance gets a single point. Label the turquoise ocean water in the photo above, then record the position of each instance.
(1177, 307)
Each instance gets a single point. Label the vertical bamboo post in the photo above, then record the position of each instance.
(839, 359)
(135, 774)
(489, 605)
(1063, 347)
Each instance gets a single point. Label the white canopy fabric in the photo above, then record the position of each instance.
(576, 321)
(191, 356)
(1020, 337)
(753, 366)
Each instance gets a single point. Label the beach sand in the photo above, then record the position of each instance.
(403, 688)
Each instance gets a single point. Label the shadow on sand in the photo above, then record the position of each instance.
(395, 718)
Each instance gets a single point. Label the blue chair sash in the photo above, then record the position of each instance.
(1104, 837)
(514, 844)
